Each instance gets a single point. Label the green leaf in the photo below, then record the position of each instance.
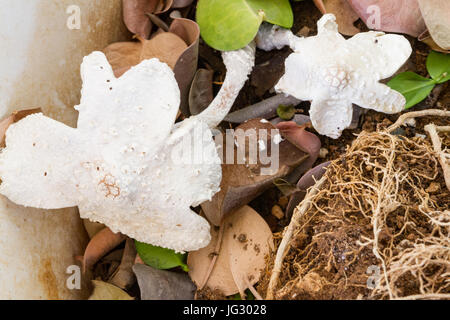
(286, 112)
(232, 24)
(413, 87)
(438, 65)
(160, 258)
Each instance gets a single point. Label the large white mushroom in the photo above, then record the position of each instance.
(121, 166)
(40, 58)
(333, 72)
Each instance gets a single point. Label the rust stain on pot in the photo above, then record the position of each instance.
(47, 278)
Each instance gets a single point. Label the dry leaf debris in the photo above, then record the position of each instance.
(244, 243)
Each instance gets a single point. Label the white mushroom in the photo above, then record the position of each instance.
(333, 72)
(120, 165)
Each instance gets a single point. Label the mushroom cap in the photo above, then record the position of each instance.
(333, 73)
(123, 166)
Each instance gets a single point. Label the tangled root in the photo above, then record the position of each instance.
(376, 226)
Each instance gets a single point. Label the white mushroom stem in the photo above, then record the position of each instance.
(272, 37)
(239, 64)
(437, 146)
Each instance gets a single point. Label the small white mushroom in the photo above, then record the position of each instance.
(333, 72)
(118, 166)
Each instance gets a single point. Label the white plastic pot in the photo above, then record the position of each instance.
(41, 52)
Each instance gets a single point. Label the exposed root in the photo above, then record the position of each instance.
(416, 114)
(252, 290)
(444, 158)
(368, 229)
(281, 252)
(214, 259)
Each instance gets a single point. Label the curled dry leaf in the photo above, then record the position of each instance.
(244, 177)
(302, 139)
(345, 15)
(402, 16)
(135, 14)
(92, 228)
(186, 65)
(163, 285)
(247, 240)
(106, 291)
(305, 141)
(305, 182)
(201, 93)
(166, 47)
(426, 38)
(181, 3)
(436, 14)
(102, 243)
(124, 277)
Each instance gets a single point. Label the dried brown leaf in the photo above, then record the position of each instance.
(106, 291)
(157, 284)
(305, 182)
(426, 38)
(436, 14)
(166, 46)
(135, 14)
(124, 277)
(181, 3)
(201, 92)
(402, 16)
(102, 243)
(302, 139)
(186, 65)
(247, 240)
(92, 228)
(199, 263)
(345, 15)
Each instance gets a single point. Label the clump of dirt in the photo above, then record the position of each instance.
(373, 228)
(208, 294)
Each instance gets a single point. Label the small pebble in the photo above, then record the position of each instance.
(304, 32)
(433, 187)
(277, 212)
(323, 152)
(283, 202)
